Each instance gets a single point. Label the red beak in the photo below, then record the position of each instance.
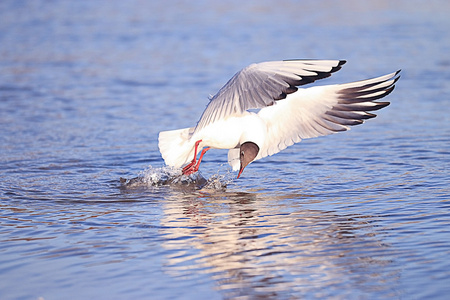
(240, 171)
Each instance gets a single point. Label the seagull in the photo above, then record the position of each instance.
(261, 110)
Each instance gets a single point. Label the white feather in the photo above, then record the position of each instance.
(280, 123)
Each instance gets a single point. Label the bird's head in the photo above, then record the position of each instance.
(248, 152)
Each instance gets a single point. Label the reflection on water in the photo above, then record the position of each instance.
(250, 251)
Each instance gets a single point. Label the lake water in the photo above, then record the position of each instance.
(85, 88)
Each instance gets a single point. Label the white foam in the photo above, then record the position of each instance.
(173, 176)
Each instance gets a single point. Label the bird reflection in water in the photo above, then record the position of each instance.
(260, 246)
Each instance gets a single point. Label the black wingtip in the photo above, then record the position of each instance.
(396, 76)
(338, 67)
(396, 79)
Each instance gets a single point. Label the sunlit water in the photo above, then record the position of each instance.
(89, 211)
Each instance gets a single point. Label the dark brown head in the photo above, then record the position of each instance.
(248, 152)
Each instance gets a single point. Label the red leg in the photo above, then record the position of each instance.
(190, 168)
(200, 159)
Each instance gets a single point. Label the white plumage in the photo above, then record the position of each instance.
(287, 114)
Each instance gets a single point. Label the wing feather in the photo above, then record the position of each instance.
(260, 85)
(323, 110)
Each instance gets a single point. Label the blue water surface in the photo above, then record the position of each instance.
(88, 210)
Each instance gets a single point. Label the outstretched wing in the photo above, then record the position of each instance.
(260, 85)
(323, 110)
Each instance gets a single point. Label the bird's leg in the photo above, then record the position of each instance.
(190, 168)
(200, 159)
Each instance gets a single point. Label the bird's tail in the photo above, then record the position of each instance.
(175, 146)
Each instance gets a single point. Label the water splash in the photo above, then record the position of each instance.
(153, 177)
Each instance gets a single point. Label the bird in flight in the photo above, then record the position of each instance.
(286, 113)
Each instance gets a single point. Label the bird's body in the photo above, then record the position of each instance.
(286, 115)
(229, 133)
(233, 131)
